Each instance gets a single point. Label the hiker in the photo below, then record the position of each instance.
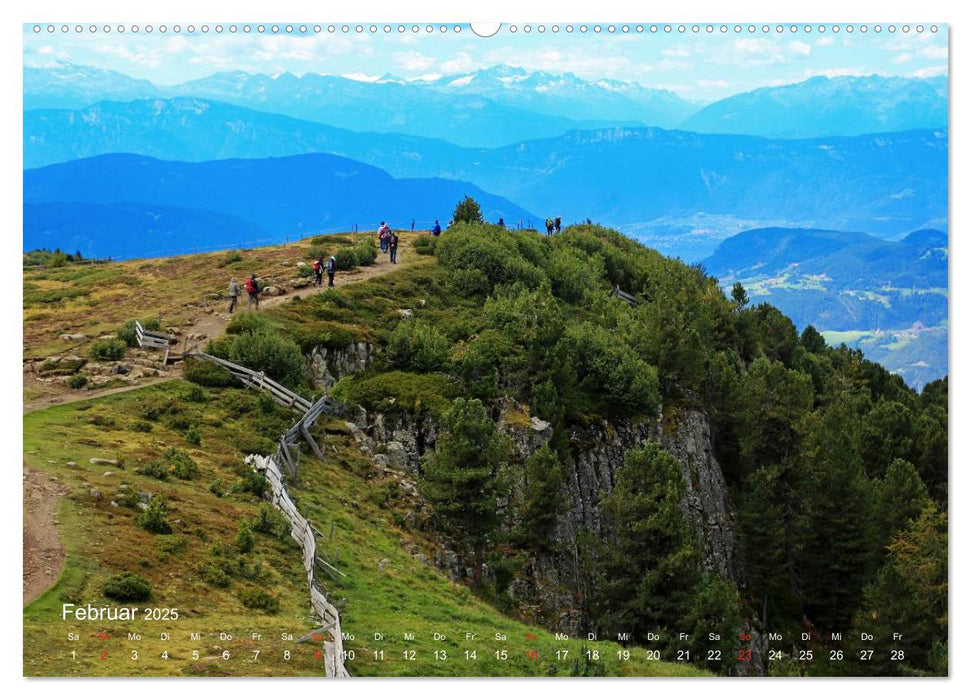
(549, 226)
(318, 272)
(331, 270)
(501, 223)
(383, 232)
(437, 231)
(412, 225)
(253, 289)
(233, 294)
(556, 223)
(393, 247)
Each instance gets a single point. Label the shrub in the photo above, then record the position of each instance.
(425, 244)
(217, 488)
(418, 347)
(141, 426)
(213, 574)
(153, 519)
(260, 599)
(396, 392)
(108, 349)
(77, 381)
(263, 351)
(266, 402)
(305, 271)
(127, 588)
(245, 541)
(352, 256)
(193, 436)
(271, 521)
(183, 466)
(206, 373)
(157, 469)
(196, 394)
(231, 257)
(251, 482)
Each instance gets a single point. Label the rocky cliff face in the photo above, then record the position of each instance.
(326, 365)
(597, 450)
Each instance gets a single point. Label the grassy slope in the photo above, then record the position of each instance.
(386, 588)
(97, 299)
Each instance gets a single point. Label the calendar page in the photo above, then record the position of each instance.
(533, 349)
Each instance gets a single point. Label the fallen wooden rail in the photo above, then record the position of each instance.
(153, 339)
(624, 296)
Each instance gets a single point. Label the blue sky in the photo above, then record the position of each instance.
(699, 66)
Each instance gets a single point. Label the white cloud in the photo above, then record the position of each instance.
(935, 52)
(929, 72)
(825, 41)
(461, 62)
(713, 84)
(414, 60)
(677, 52)
(799, 48)
(902, 58)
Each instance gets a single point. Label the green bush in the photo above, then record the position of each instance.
(267, 403)
(425, 244)
(127, 588)
(252, 482)
(157, 469)
(206, 373)
(183, 466)
(214, 574)
(305, 271)
(217, 488)
(271, 521)
(77, 381)
(108, 349)
(193, 436)
(276, 355)
(141, 426)
(395, 392)
(196, 394)
(154, 519)
(245, 541)
(352, 256)
(231, 257)
(501, 259)
(418, 347)
(260, 599)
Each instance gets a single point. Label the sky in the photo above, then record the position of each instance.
(702, 65)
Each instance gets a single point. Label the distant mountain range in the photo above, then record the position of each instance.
(889, 296)
(136, 197)
(820, 106)
(503, 104)
(886, 184)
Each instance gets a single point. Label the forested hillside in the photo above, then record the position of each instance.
(501, 368)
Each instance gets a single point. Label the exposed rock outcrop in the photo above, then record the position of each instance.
(327, 365)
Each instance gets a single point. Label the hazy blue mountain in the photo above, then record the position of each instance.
(292, 196)
(820, 106)
(567, 95)
(884, 184)
(64, 85)
(888, 298)
(128, 230)
(195, 129)
(384, 106)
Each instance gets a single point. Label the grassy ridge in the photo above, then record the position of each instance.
(386, 589)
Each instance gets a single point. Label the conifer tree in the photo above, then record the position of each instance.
(467, 211)
(460, 476)
(542, 498)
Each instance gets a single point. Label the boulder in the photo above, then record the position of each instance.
(406, 313)
(273, 291)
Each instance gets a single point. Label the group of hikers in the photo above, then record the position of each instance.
(388, 241)
(551, 225)
(253, 287)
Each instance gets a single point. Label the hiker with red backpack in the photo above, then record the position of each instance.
(318, 272)
(384, 234)
(253, 289)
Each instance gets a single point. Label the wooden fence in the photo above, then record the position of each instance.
(303, 532)
(288, 453)
(153, 339)
(624, 296)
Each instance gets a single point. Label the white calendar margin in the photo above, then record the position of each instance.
(562, 11)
